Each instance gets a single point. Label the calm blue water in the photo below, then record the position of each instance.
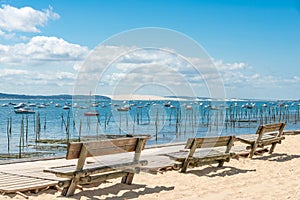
(164, 124)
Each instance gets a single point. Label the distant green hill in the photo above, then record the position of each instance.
(61, 96)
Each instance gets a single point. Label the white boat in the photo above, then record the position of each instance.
(66, 107)
(20, 105)
(91, 113)
(41, 106)
(124, 108)
(24, 111)
(167, 104)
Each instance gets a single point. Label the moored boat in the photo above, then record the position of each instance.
(24, 111)
(124, 108)
(91, 113)
(20, 105)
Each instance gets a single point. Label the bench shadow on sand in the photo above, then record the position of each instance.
(277, 157)
(219, 171)
(120, 192)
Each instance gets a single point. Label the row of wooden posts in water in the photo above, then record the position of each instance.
(183, 120)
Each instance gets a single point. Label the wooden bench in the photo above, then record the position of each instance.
(207, 152)
(268, 134)
(83, 173)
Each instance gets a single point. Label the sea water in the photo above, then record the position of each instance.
(164, 121)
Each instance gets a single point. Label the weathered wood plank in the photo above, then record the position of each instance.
(100, 178)
(104, 147)
(94, 169)
(271, 127)
(12, 183)
(208, 142)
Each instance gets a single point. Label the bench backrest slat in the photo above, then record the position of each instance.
(103, 147)
(267, 128)
(208, 142)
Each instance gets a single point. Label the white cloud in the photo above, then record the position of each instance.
(24, 19)
(129, 68)
(43, 65)
(36, 82)
(9, 72)
(244, 81)
(42, 49)
(229, 66)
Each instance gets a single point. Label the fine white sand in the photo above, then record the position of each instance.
(275, 176)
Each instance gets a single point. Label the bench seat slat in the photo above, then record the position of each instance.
(208, 142)
(69, 171)
(252, 138)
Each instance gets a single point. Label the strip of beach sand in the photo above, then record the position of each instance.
(266, 176)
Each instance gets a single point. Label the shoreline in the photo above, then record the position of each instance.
(33, 159)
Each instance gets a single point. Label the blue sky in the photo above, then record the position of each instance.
(262, 37)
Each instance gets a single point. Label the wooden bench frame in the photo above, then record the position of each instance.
(268, 134)
(210, 156)
(83, 174)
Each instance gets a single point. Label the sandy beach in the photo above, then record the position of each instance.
(266, 176)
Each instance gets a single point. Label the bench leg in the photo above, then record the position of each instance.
(185, 166)
(254, 146)
(221, 163)
(272, 148)
(128, 178)
(70, 190)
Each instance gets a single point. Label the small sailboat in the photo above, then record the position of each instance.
(124, 108)
(91, 112)
(20, 105)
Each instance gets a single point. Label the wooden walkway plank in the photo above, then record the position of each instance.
(13, 183)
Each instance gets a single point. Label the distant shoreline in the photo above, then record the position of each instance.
(123, 97)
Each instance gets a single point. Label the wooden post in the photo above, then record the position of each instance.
(80, 126)
(8, 136)
(187, 160)
(26, 130)
(156, 125)
(45, 122)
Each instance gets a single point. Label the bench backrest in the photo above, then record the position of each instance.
(269, 128)
(209, 142)
(105, 147)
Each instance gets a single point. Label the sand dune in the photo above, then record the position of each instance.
(142, 97)
(274, 176)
